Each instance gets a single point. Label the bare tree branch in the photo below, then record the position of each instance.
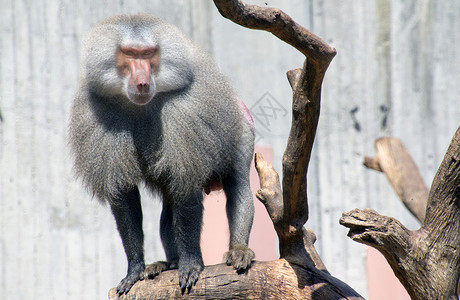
(270, 189)
(306, 84)
(426, 261)
(393, 159)
(281, 25)
(306, 100)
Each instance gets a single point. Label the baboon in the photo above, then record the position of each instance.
(153, 109)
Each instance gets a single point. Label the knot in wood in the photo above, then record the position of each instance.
(292, 230)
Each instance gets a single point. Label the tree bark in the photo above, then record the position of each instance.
(393, 159)
(426, 261)
(277, 279)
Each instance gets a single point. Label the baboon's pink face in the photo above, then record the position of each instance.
(136, 66)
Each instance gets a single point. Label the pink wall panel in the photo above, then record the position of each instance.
(215, 235)
(382, 283)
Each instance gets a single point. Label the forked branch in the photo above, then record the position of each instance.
(289, 209)
(305, 108)
(426, 261)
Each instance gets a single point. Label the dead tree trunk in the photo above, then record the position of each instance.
(300, 273)
(426, 261)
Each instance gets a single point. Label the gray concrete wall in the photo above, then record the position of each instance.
(396, 73)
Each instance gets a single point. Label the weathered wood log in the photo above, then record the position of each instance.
(426, 261)
(277, 279)
(393, 159)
